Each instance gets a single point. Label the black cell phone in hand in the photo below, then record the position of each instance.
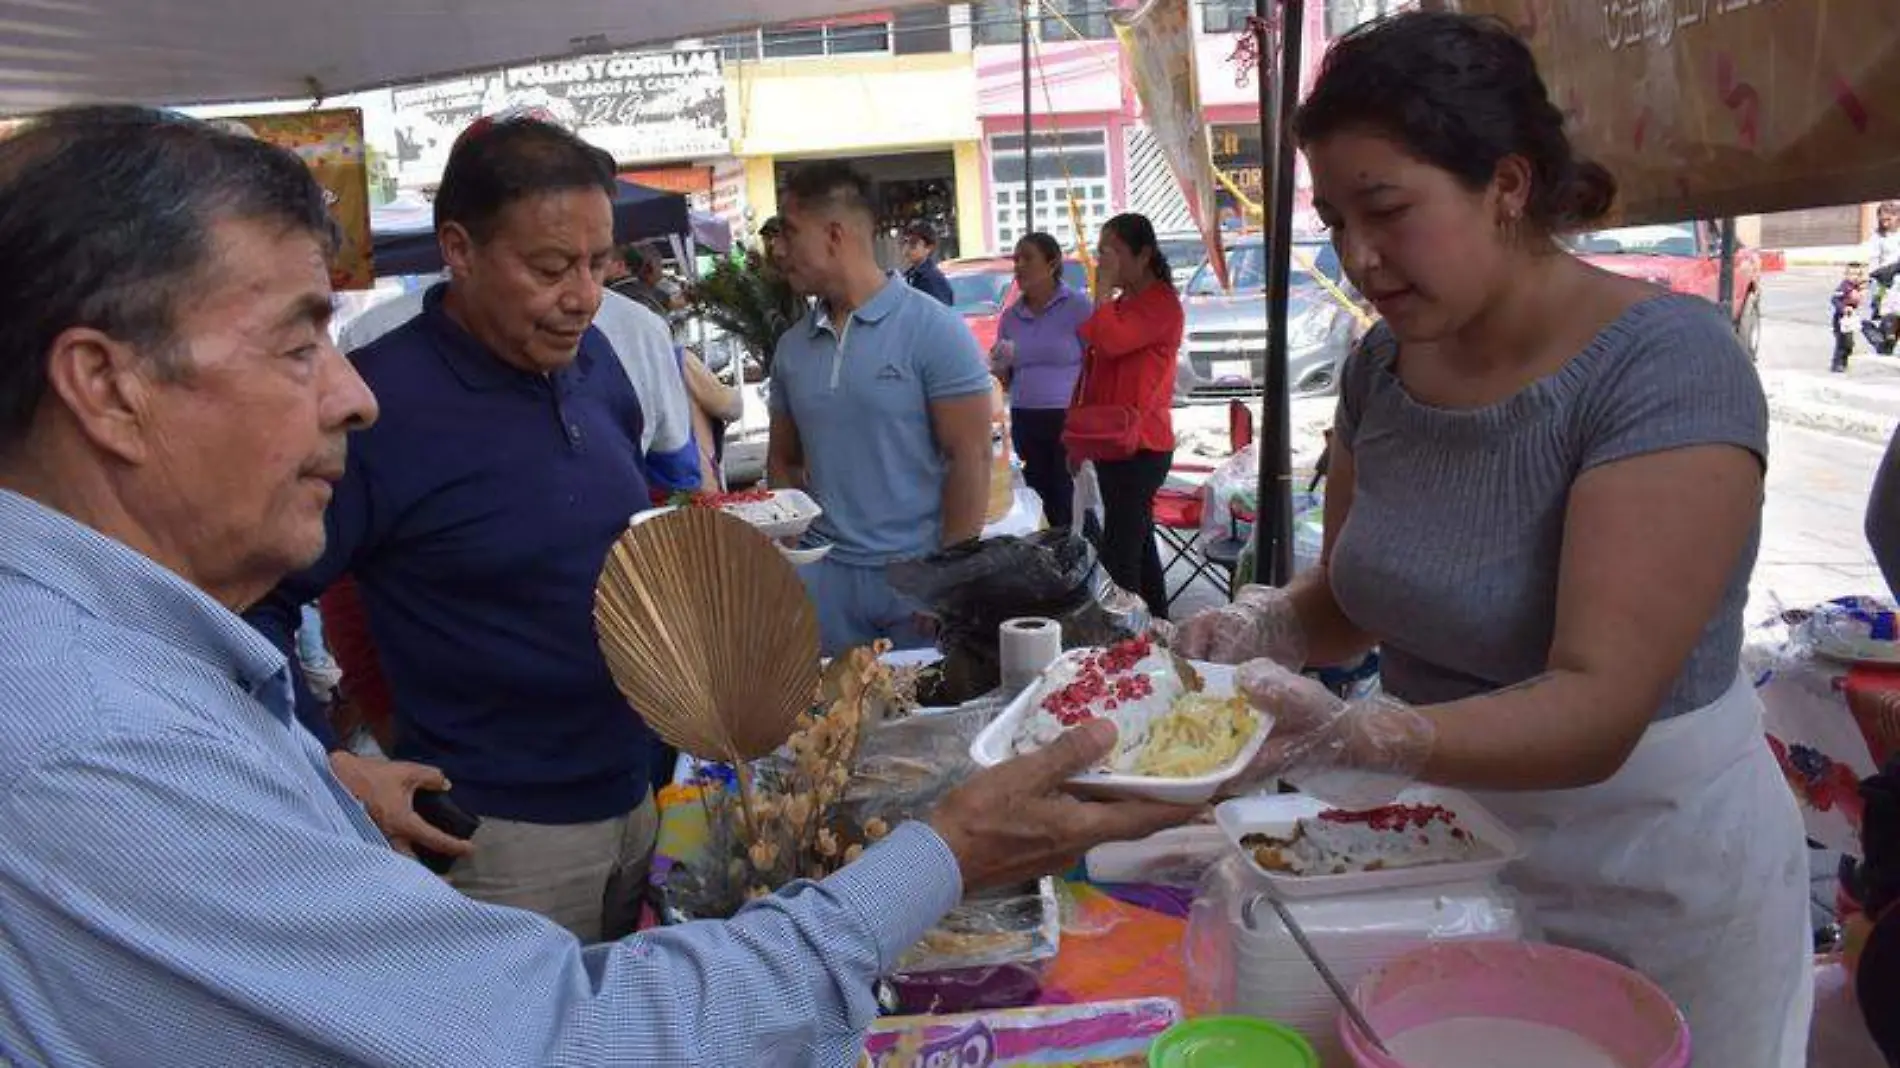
(440, 811)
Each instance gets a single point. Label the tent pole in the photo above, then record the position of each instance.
(1725, 252)
(1029, 168)
(1273, 535)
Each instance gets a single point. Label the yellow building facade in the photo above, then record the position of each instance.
(909, 122)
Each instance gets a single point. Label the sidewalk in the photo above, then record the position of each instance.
(1863, 404)
(1865, 407)
(1819, 255)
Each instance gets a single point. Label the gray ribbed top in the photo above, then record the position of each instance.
(1451, 552)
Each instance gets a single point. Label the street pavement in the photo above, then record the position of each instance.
(1826, 441)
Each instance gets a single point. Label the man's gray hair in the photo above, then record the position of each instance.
(106, 217)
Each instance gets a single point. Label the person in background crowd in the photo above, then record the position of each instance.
(1543, 507)
(880, 409)
(475, 517)
(920, 263)
(1849, 303)
(1131, 342)
(792, 305)
(1882, 525)
(769, 233)
(1881, 319)
(642, 283)
(1039, 353)
(183, 882)
(715, 405)
(1876, 882)
(1883, 249)
(319, 668)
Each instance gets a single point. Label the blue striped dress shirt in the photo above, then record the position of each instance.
(183, 882)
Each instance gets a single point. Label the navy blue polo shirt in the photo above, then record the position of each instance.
(475, 517)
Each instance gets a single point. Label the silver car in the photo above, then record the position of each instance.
(1224, 351)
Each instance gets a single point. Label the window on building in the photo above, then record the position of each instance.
(1069, 163)
(826, 39)
(1343, 15)
(1075, 20)
(1225, 16)
(996, 22)
(737, 47)
(922, 30)
(857, 37)
(795, 43)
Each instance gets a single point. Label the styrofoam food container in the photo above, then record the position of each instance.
(1278, 814)
(992, 747)
(807, 513)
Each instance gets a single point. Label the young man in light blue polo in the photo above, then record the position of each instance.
(880, 410)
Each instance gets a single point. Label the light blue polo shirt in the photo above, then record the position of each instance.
(861, 396)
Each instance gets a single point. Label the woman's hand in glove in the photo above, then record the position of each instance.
(1260, 624)
(1352, 754)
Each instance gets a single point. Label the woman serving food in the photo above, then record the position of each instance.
(1544, 506)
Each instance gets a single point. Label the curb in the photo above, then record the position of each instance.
(1840, 421)
(1823, 256)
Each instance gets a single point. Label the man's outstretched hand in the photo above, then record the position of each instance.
(1015, 821)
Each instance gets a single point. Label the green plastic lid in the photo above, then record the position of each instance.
(1231, 1042)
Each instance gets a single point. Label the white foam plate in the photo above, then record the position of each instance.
(1278, 814)
(807, 513)
(992, 747)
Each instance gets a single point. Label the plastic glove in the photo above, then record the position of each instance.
(1351, 754)
(1261, 623)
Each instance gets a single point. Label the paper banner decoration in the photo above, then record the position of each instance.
(331, 143)
(1709, 108)
(1158, 39)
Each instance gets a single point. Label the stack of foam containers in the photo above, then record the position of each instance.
(1355, 935)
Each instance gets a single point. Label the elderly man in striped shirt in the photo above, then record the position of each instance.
(183, 880)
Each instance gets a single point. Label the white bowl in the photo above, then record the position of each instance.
(801, 557)
(992, 747)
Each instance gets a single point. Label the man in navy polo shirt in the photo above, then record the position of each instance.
(475, 516)
(880, 409)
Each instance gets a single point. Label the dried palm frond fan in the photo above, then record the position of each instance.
(707, 630)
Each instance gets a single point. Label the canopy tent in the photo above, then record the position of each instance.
(405, 230)
(1725, 109)
(231, 51)
(712, 233)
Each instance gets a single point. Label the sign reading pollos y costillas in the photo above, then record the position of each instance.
(643, 107)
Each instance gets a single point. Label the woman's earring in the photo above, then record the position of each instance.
(1509, 224)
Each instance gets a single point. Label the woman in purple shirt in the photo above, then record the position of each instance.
(1039, 355)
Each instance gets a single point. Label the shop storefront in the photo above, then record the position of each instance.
(907, 188)
(925, 162)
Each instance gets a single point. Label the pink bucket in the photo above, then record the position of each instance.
(1622, 1012)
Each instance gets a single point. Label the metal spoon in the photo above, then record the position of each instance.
(1312, 955)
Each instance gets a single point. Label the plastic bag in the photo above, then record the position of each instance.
(972, 589)
(1232, 504)
(1207, 950)
(1232, 498)
(1088, 497)
(904, 767)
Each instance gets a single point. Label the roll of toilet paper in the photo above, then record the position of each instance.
(1025, 647)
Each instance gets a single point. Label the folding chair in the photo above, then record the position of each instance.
(1180, 506)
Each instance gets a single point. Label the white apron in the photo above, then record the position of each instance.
(1691, 866)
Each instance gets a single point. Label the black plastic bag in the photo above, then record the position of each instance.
(973, 588)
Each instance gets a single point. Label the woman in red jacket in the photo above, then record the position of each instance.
(1131, 344)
